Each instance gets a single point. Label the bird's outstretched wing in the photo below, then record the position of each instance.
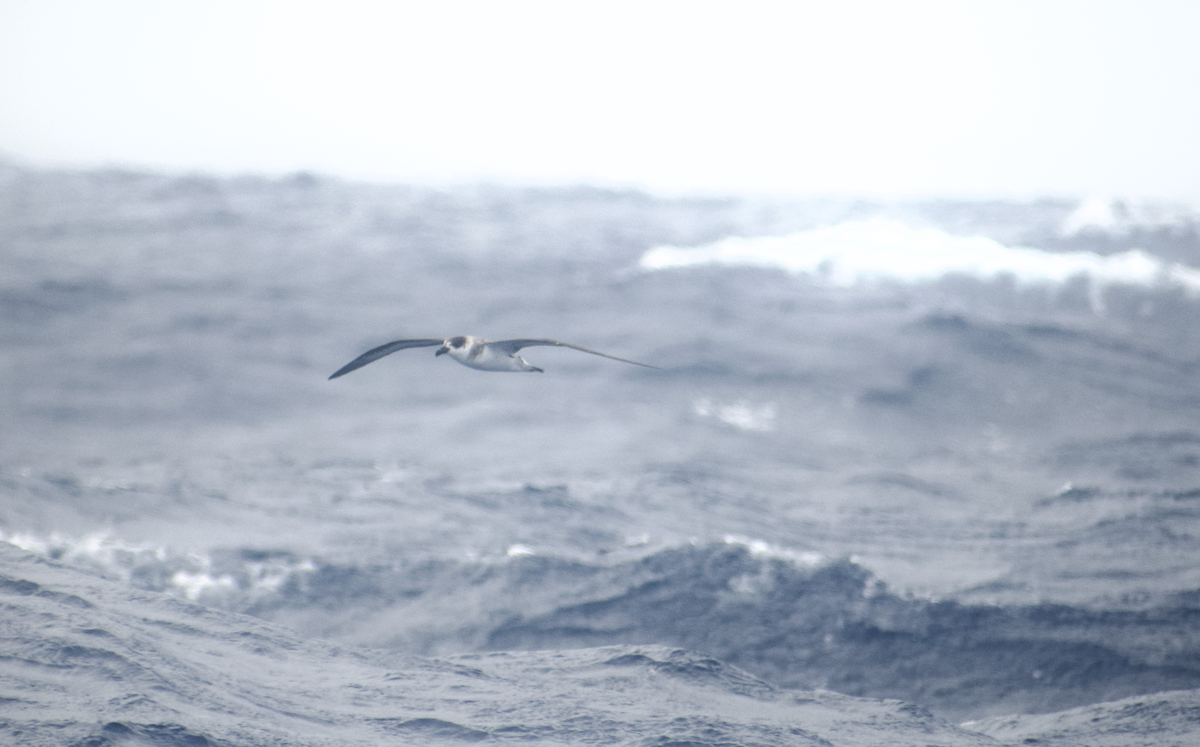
(375, 354)
(512, 346)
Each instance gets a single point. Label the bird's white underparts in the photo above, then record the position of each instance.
(473, 352)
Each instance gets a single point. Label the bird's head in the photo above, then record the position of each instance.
(454, 343)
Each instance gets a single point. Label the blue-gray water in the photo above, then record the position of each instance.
(975, 495)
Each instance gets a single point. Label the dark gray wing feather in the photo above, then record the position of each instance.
(512, 346)
(375, 354)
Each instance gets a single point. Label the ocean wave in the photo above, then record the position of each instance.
(89, 662)
(882, 250)
(792, 617)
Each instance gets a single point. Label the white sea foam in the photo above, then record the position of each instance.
(741, 415)
(186, 573)
(875, 250)
(759, 548)
(112, 555)
(195, 584)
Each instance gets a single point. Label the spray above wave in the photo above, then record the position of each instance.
(1106, 215)
(874, 250)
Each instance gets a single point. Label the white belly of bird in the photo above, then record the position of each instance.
(490, 361)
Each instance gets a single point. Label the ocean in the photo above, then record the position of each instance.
(945, 452)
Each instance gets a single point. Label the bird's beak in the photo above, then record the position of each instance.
(443, 349)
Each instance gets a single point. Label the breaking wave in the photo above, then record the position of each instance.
(878, 249)
(794, 618)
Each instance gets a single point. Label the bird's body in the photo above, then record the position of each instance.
(473, 352)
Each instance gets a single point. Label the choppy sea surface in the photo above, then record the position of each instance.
(943, 452)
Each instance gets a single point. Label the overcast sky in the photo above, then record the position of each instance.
(980, 99)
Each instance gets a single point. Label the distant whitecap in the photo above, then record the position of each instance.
(741, 415)
(1121, 217)
(857, 252)
(194, 585)
(760, 548)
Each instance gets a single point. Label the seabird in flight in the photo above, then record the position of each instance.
(474, 352)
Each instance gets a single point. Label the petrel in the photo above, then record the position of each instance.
(474, 352)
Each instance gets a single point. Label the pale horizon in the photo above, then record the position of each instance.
(1013, 100)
